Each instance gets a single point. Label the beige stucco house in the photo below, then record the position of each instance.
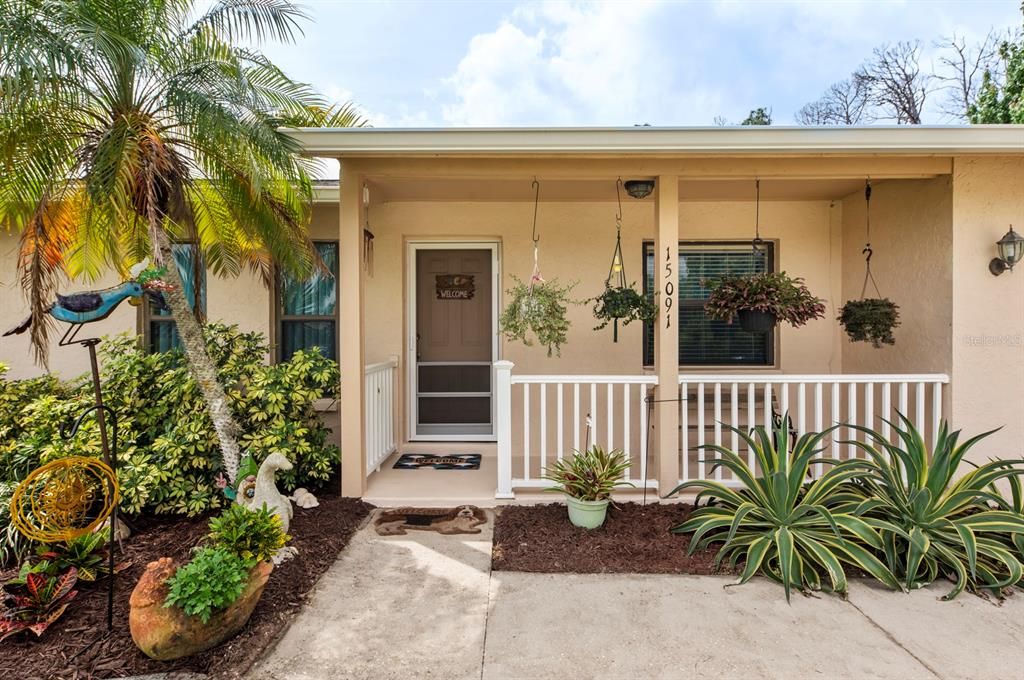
(421, 216)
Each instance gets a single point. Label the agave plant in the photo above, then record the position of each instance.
(43, 602)
(933, 525)
(796, 532)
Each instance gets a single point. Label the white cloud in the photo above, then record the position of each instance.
(559, 63)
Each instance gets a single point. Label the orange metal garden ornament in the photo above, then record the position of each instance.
(64, 499)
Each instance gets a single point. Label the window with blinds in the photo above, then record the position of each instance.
(704, 341)
(162, 332)
(307, 310)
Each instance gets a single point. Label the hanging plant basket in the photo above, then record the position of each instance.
(870, 320)
(539, 312)
(762, 298)
(622, 303)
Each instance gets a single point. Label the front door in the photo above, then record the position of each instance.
(454, 343)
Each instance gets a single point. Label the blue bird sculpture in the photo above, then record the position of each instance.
(86, 307)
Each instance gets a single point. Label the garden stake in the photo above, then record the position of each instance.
(109, 447)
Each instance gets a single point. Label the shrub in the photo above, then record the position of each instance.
(798, 534)
(214, 579)
(168, 458)
(871, 320)
(788, 299)
(933, 525)
(44, 599)
(589, 475)
(253, 535)
(539, 310)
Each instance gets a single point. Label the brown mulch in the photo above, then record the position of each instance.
(78, 646)
(635, 539)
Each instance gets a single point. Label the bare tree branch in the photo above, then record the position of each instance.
(961, 68)
(844, 103)
(894, 82)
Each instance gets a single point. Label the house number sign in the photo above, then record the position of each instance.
(455, 286)
(670, 287)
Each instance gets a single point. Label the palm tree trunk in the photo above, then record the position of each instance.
(199, 362)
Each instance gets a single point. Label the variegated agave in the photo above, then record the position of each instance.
(793, 530)
(933, 525)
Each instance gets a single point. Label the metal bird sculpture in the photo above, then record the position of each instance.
(89, 306)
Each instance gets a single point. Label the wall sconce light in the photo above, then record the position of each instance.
(1011, 251)
(639, 188)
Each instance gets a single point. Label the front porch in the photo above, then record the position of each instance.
(657, 393)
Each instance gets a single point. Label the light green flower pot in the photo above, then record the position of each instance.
(586, 514)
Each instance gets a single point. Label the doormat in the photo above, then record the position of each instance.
(465, 519)
(458, 461)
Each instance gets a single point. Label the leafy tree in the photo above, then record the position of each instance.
(126, 125)
(758, 116)
(1003, 102)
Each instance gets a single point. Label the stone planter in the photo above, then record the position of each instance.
(166, 633)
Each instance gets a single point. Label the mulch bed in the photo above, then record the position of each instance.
(78, 646)
(635, 539)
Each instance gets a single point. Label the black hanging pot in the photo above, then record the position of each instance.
(756, 321)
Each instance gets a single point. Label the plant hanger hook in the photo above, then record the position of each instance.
(758, 243)
(868, 252)
(535, 277)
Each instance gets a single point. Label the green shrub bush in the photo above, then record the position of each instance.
(168, 460)
(253, 535)
(213, 579)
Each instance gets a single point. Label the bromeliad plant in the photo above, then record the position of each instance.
(589, 475)
(934, 525)
(797, 532)
(775, 293)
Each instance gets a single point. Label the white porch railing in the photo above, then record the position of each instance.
(379, 383)
(545, 417)
(709, 403)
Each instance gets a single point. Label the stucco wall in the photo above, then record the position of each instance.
(988, 311)
(911, 235)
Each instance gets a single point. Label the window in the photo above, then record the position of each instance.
(162, 332)
(704, 341)
(307, 310)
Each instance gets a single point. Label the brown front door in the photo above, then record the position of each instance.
(454, 343)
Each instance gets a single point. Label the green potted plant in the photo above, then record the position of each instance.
(587, 479)
(538, 309)
(622, 303)
(762, 300)
(870, 320)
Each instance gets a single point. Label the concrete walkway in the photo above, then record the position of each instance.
(427, 606)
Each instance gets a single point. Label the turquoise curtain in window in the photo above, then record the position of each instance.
(704, 341)
(163, 332)
(308, 308)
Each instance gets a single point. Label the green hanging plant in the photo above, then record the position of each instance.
(539, 311)
(622, 303)
(870, 320)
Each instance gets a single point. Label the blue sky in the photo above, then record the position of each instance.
(448, 63)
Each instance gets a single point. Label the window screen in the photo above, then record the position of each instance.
(704, 341)
(163, 332)
(308, 309)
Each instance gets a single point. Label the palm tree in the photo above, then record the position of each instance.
(127, 125)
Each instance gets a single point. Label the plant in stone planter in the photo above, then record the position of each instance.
(870, 320)
(539, 309)
(622, 303)
(177, 610)
(587, 479)
(762, 300)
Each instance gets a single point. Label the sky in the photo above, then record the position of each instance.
(554, 63)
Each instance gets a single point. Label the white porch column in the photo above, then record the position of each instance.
(666, 336)
(503, 426)
(350, 333)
